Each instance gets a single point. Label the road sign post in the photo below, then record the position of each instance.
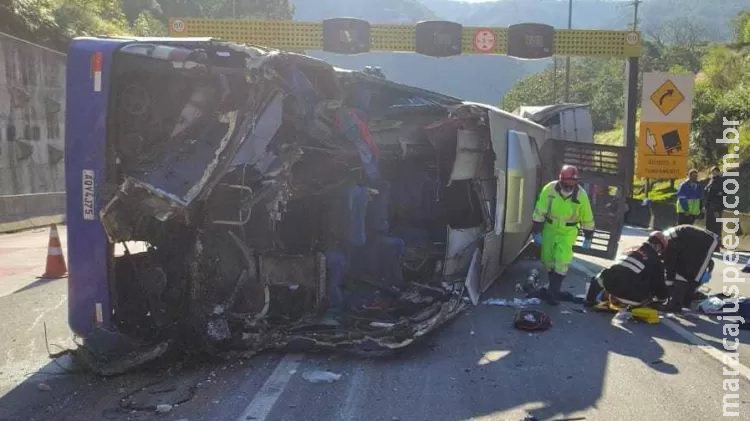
(631, 117)
(664, 135)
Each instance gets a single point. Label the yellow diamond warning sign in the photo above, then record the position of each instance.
(667, 97)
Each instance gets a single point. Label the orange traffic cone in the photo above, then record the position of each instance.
(56, 267)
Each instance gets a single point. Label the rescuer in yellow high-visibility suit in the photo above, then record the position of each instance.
(562, 207)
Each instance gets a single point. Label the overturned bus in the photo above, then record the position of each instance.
(227, 197)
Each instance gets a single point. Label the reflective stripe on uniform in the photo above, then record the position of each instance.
(694, 206)
(630, 266)
(563, 212)
(626, 301)
(631, 262)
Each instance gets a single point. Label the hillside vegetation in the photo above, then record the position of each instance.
(54, 22)
(722, 92)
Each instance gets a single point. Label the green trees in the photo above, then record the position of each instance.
(741, 26)
(722, 91)
(594, 81)
(53, 22)
(89, 17)
(146, 24)
(224, 9)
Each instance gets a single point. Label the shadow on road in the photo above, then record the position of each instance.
(480, 367)
(38, 283)
(574, 353)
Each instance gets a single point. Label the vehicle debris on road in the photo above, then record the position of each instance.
(531, 283)
(711, 305)
(515, 302)
(318, 376)
(531, 320)
(161, 396)
(163, 408)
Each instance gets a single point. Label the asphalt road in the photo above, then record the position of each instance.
(477, 367)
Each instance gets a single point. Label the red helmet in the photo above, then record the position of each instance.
(569, 175)
(658, 237)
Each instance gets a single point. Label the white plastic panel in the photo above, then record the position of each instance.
(468, 155)
(576, 125)
(472, 278)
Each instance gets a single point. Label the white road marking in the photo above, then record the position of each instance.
(704, 346)
(44, 312)
(669, 321)
(263, 401)
(352, 403)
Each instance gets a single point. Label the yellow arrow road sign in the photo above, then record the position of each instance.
(667, 97)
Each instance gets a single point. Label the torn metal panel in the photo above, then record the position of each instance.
(184, 172)
(133, 202)
(460, 249)
(254, 150)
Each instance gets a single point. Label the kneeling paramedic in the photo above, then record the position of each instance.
(561, 208)
(688, 261)
(636, 278)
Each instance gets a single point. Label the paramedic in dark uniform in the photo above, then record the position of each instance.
(636, 278)
(688, 261)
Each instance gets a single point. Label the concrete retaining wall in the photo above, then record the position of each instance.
(32, 133)
(23, 211)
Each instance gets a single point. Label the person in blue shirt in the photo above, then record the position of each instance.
(689, 200)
